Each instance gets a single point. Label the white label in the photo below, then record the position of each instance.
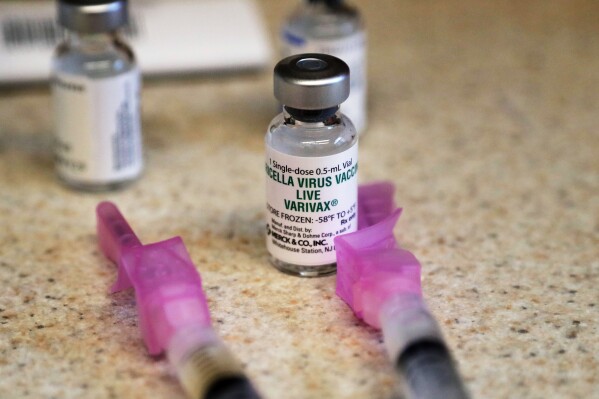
(352, 50)
(309, 201)
(98, 138)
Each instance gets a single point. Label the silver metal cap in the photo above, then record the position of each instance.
(92, 16)
(311, 81)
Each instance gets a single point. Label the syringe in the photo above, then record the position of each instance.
(381, 283)
(173, 313)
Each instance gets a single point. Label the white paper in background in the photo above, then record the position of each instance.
(168, 37)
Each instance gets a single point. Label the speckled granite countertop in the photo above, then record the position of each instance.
(484, 114)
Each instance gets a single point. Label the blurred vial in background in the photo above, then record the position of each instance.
(96, 95)
(332, 27)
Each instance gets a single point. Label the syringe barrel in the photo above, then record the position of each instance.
(415, 344)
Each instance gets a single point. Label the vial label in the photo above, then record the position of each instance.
(352, 50)
(309, 201)
(98, 134)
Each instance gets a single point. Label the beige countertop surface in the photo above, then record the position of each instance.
(484, 115)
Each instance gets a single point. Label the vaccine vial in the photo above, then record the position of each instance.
(332, 27)
(311, 165)
(96, 91)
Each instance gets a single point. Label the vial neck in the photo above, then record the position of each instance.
(326, 3)
(92, 42)
(331, 19)
(318, 117)
(330, 7)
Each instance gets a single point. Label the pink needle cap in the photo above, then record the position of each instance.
(371, 267)
(375, 203)
(168, 288)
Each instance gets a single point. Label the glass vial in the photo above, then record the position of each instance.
(332, 27)
(96, 91)
(311, 165)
